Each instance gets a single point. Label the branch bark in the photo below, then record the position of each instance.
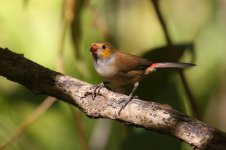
(149, 115)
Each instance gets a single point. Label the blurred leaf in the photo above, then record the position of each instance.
(25, 2)
(76, 25)
(163, 54)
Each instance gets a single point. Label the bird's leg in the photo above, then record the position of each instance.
(131, 95)
(98, 87)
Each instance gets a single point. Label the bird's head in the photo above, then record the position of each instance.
(102, 50)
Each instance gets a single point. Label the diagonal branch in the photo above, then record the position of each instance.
(148, 115)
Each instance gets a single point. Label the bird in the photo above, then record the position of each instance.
(120, 68)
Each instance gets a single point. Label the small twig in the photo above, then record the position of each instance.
(162, 22)
(187, 89)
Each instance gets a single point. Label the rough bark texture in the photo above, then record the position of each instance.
(150, 115)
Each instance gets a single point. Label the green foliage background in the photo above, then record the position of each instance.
(34, 28)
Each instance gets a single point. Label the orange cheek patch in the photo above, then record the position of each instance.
(106, 53)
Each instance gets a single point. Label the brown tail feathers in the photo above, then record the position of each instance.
(155, 66)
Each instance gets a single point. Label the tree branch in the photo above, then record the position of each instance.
(148, 115)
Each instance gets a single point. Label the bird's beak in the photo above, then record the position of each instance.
(93, 48)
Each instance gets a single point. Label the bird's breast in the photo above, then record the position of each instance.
(106, 68)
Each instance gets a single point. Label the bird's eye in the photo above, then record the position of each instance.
(103, 46)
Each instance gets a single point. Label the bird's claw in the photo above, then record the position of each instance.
(97, 87)
(125, 103)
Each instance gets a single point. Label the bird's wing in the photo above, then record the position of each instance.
(130, 62)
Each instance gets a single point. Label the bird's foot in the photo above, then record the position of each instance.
(97, 89)
(126, 101)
